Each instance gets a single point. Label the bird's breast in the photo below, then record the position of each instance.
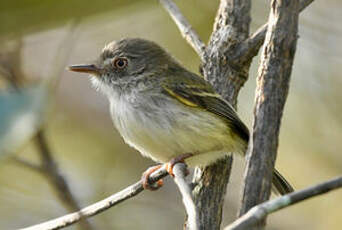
(162, 128)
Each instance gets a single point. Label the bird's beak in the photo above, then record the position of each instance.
(86, 68)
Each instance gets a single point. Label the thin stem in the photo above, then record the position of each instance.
(98, 207)
(50, 169)
(184, 27)
(259, 212)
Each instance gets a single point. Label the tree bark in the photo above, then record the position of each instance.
(231, 27)
(271, 93)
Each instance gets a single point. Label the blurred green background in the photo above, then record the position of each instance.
(39, 38)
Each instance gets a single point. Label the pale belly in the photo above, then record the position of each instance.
(164, 132)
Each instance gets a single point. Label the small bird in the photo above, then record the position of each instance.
(165, 111)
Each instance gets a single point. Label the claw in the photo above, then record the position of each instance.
(146, 179)
(169, 168)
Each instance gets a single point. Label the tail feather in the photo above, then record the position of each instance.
(280, 185)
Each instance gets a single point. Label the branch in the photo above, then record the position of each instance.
(249, 48)
(100, 206)
(50, 170)
(185, 28)
(27, 164)
(259, 212)
(180, 172)
(270, 97)
(48, 166)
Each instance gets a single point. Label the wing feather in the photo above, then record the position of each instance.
(194, 91)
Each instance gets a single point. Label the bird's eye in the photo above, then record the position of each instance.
(120, 63)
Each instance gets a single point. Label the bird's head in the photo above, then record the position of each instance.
(122, 62)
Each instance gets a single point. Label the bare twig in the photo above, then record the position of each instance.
(49, 168)
(270, 97)
(259, 212)
(185, 28)
(51, 171)
(249, 48)
(27, 164)
(180, 172)
(100, 206)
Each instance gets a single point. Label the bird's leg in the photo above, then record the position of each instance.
(177, 159)
(169, 168)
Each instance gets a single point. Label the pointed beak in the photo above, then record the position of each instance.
(91, 69)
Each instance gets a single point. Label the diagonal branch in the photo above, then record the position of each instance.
(249, 48)
(49, 168)
(51, 171)
(129, 192)
(27, 164)
(259, 212)
(100, 206)
(184, 27)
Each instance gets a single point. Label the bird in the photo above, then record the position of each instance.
(165, 111)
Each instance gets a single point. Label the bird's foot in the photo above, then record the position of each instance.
(169, 168)
(146, 179)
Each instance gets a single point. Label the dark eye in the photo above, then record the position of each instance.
(120, 63)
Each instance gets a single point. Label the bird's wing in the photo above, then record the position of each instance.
(192, 90)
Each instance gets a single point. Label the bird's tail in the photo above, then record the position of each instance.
(280, 185)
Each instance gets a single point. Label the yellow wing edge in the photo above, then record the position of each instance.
(180, 98)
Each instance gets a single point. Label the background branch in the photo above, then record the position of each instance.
(51, 171)
(259, 212)
(48, 167)
(27, 164)
(271, 93)
(100, 206)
